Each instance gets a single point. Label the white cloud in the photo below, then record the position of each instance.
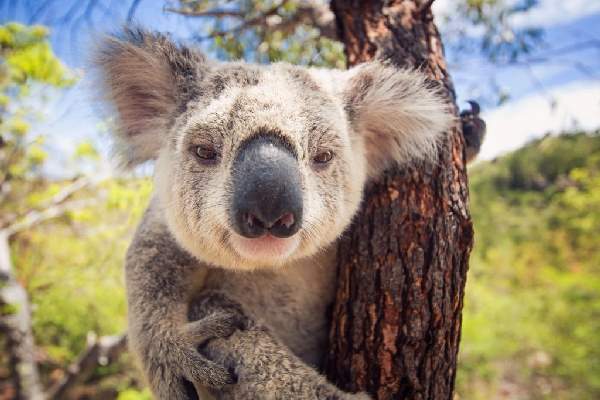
(546, 13)
(442, 7)
(513, 124)
(555, 12)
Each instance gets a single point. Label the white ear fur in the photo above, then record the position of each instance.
(141, 73)
(400, 117)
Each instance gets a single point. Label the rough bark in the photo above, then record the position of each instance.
(396, 321)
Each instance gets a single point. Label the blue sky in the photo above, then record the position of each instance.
(545, 97)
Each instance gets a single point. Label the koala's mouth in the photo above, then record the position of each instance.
(266, 248)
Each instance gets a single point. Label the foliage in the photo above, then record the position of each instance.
(26, 59)
(500, 39)
(532, 312)
(304, 32)
(273, 30)
(70, 265)
(266, 30)
(27, 56)
(72, 269)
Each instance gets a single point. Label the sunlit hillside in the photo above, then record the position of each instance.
(532, 318)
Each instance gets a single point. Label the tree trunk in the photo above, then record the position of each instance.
(402, 265)
(15, 323)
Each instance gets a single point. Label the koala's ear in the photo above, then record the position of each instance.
(148, 78)
(398, 113)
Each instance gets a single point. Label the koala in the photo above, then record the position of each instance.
(258, 170)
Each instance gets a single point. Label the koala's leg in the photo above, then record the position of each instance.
(264, 367)
(160, 279)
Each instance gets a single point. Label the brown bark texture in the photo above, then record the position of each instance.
(396, 321)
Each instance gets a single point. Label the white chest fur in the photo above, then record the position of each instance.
(292, 301)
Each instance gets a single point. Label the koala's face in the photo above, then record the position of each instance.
(261, 165)
(262, 169)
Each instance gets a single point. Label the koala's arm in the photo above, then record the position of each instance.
(265, 368)
(160, 277)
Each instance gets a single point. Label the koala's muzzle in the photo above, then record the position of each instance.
(267, 195)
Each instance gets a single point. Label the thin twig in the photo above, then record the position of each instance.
(66, 192)
(208, 13)
(258, 20)
(63, 195)
(34, 218)
(132, 10)
(312, 14)
(99, 351)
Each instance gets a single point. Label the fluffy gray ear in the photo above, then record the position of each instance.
(148, 79)
(397, 112)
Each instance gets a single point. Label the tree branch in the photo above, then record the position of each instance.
(36, 217)
(99, 351)
(68, 191)
(309, 13)
(260, 19)
(132, 10)
(15, 321)
(319, 16)
(52, 208)
(208, 13)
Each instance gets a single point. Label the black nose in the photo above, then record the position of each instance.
(267, 195)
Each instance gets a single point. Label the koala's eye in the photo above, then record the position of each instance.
(206, 153)
(323, 157)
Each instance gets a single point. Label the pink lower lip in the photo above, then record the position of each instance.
(264, 247)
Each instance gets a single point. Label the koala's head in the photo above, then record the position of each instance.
(260, 165)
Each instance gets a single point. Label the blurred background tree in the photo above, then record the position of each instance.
(532, 313)
(51, 223)
(26, 59)
(530, 327)
(300, 32)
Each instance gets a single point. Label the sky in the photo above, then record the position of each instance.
(547, 97)
(544, 98)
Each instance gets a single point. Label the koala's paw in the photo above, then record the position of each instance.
(197, 368)
(268, 370)
(179, 378)
(217, 324)
(184, 369)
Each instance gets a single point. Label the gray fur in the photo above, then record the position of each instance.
(190, 281)
(264, 367)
